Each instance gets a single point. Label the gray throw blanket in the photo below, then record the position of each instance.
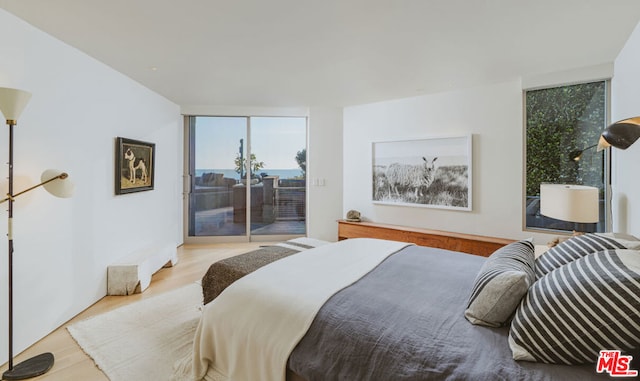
(222, 273)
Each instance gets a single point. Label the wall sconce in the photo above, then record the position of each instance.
(577, 154)
(12, 103)
(620, 134)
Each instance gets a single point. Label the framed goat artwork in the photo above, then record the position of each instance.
(135, 165)
(434, 172)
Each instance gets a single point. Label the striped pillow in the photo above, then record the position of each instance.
(579, 246)
(500, 285)
(573, 312)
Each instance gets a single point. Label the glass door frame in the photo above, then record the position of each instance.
(189, 183)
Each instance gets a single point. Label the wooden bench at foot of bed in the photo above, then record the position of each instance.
(466, 243)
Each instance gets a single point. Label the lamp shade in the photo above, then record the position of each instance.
(61, 186)
(620, 134)
(574, 203)
(12, 102)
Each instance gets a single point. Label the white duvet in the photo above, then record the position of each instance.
(249, 330)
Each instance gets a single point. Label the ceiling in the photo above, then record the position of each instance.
(332, 52)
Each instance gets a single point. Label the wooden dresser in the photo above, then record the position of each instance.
(466, 243)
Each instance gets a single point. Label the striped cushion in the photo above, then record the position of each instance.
(579, 246)
(572, 313)
(500, 285)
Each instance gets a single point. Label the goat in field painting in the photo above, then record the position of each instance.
(423, 173)
(410, 177)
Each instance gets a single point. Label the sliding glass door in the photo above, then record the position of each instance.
(247, 177)
(215, 206)
(279, 147)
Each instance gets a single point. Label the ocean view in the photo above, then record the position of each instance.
(232, 174)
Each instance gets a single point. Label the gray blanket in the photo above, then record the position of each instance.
(222, 273)
(405, 321)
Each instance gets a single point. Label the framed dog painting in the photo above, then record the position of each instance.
(135, 162)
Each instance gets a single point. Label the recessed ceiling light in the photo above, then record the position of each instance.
(153, 68)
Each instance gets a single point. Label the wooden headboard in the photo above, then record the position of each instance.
(466, 243)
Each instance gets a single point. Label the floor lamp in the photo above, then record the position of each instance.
(12, 102)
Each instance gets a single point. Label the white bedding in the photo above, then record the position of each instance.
(249, 330)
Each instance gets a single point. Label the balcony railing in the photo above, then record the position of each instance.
(290, 203)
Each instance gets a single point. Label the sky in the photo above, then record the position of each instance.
(449, 151)
(274, 140)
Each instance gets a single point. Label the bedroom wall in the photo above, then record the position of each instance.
(625, 179)
(492, 114)
(325, 166)
(63, 246)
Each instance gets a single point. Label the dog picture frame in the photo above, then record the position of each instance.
(134, 165)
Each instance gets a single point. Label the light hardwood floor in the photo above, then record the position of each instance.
(72, 364)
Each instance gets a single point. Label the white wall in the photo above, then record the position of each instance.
(63, 246)
(325, 172)
(493, 114)
(625, 104)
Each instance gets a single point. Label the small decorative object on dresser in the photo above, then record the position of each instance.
(353, 216)
(135, 164)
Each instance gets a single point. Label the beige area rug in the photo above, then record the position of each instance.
(143, 340)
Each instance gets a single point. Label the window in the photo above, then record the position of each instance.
(562, 127)
(248, 177)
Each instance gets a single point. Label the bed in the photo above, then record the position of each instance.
(401, 316)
